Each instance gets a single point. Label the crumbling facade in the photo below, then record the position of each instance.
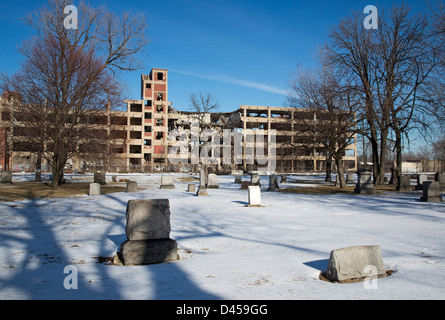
(142, 135)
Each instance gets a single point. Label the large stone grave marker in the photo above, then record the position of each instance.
(431, 192)
(238, 179)
(167, 182)
(212, 181)
(353, 263)
(148, 233)
(254, 196)
(364, 183)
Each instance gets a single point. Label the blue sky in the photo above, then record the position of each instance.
(243, 52)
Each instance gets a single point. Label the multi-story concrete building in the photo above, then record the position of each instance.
(139, 136)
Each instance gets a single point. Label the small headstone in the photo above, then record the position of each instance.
(254, 196)
(353, 262)
(6, 177)
(350, 177)
(273, 183)
(148, 231)
(440, 177)
(255, 179)
(245, 185)
(202, 191)
(238, 179)
(132, 186)
(99, 177)
(431, 192)
(94, 189)
(191, 187)
(167, 182)
(421, 178)
(405, 183)
(364, 183)
(212, 181)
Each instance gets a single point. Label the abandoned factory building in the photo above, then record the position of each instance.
(139, 136)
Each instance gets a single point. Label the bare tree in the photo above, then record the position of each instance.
(388, 68)
(68, 75)
(332, 123)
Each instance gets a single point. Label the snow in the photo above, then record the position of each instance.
(228, 250)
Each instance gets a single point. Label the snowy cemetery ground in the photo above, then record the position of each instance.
(227, 250)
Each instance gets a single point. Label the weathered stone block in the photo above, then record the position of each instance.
(245, 185)
(238, 179)
(148, 219)
(94, 189)
(142, 252)
(167, 182)
(352, 263)
(273, 183)
(255, 179)
(132, 186)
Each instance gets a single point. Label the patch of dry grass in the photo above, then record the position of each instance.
(32, 190)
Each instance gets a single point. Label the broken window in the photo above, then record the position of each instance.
(160, 76)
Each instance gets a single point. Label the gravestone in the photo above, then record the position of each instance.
(255, 179)
(6, 177)
(431, 192)
(405, 183)
(191, 187)
(440, 177)
(148, 233)
(245, 185)
(421, 178)
(94, 189)
(352, 263)
(167, 182)
(364, 183)
(212, 181)
(99, 177)
(132, 186)
(238, 179)
(254, 196)
(273, 183)
(202, 184)
(349, 177)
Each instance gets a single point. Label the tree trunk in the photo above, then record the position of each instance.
(57, 171)
(398, 157)
(328, 167)
(38, 176)
(340, 173)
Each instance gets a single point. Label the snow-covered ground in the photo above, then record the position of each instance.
(227, 250)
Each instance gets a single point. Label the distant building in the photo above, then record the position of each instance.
(139, 136)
